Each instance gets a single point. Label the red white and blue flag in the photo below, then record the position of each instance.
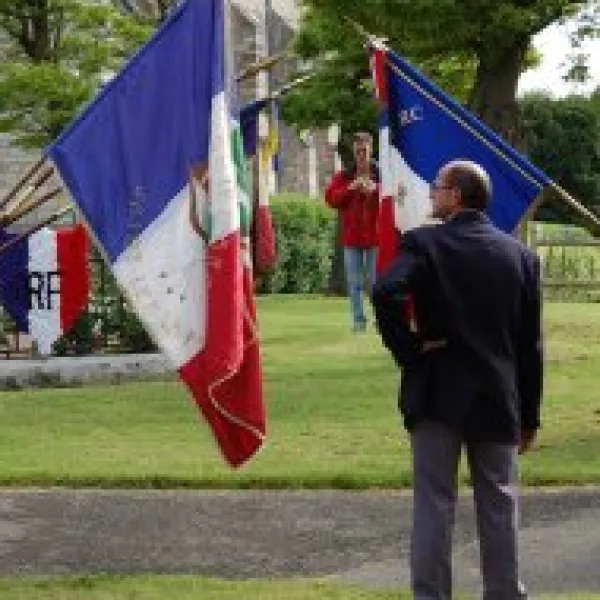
(422, 128)
(265, 153)
(154, 166)
(45, 282)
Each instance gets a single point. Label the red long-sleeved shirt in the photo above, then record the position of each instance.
(359, 211)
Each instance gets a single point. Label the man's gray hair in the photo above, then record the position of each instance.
(473, 182)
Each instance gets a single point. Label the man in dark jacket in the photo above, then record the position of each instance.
(471, 357)
(355, 194)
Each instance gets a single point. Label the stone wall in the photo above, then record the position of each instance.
(13, 163)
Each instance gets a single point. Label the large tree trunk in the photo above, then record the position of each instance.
(493, 97)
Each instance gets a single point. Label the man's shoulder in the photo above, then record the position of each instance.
(515, 243)
(421, 235)
(521, 253)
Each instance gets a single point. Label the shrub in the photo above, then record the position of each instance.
(79, 340)
(304, 228)
(134, 337)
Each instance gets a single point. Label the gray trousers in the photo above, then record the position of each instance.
(493, 467)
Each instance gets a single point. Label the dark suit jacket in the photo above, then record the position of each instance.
(478, 289)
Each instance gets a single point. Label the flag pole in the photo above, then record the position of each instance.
(284, 89)
(261, 65)
(19, 238)
(577, 206)
(42, 178)
(562, 193)
(9, 219)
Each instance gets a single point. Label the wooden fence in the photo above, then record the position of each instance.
(570, 265)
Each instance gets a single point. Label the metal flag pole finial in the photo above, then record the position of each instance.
(371, 40)
(262, 65)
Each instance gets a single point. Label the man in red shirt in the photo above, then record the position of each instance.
(355, 193)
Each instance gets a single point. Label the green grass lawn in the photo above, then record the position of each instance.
(155, 587)
(333, 421)
(181, 588)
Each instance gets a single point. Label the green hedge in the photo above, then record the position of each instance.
(304, 228)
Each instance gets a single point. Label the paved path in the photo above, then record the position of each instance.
(360, 537)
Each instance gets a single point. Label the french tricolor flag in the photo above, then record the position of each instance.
(404, 197)
(45, 283)
(422, 129)
(156, 166)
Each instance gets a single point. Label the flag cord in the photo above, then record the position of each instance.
(215, 384)
(464, 124)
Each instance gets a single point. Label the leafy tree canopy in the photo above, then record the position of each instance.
(475, 49)
(563, 138)
(56, 54)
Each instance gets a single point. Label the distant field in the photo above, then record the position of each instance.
(331, 398)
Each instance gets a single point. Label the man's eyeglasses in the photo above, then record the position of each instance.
(436, 186)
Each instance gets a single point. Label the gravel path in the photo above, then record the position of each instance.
(360, 537)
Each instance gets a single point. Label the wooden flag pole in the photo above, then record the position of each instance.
(19, 238)
(266, 63)
(9, 219)
(577, 206)
(23, 181)
(290, 86)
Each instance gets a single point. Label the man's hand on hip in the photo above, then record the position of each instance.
(526, 440)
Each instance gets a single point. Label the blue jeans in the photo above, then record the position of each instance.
(358, 263)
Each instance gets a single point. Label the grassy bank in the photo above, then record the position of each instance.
(333, 421)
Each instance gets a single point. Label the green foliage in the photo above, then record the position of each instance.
(118, 326)
(132, 334)
(570, 262)
(56, 57)
(562, 137)
(79, 340)
(38, 100)
(304, 228)
(474, 50)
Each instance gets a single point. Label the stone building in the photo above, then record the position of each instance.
(259, 28)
